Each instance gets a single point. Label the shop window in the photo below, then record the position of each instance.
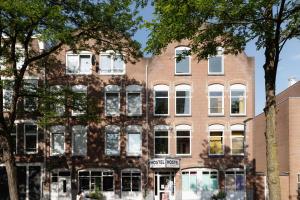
(182, 61)
(234, 180)
(183, 99)
(131, 180)
(161, 100)
(112, 138)
(134, 140)
(79, 63)
(79, 134)
(216, 142)
(31, 138)
(134, 100)
(96, 180)
(238, 99)
(183, 140)
(216, 99)
(161, 140)
(112, 100)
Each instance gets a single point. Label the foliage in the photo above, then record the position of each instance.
(220, 195)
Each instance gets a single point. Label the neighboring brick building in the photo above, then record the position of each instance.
(156, 129)
(287, 131)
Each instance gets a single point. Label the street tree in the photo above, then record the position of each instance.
(231, 24)
(110, 24)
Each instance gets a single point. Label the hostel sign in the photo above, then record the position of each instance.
(164, 163)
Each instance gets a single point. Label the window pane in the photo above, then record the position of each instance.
(112, 143)
(161, 93)
(108, 183)
(193, 181)
(237, 102)
(134, 102)
(72, 64)
(118, 64)
(79, 141)
(161, 145)
(85, 63)
(182, 66)
(216, 102)
(31, 143)
(216, 143)
(22, 182)
(84, 183)
(215, 64)
(230, 181)
(136, 183)
(183, 145)
(112, 103)
(58, 141)
(79, 102)
(126, 185)
(161, 106)
(182, 106)
(134, 144)
(105, 63)
(185, 181)
(240, 182)
(237, 145)
(161, 133)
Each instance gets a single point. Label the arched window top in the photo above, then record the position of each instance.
(216, 87)
(183, 127)
(216, 127)
(161, 128)
(182, 48)
(237, 127)
(79, 88)
(183, 87)
(238, 87)
(57, 128)
(161, 87)
(113, 128)
(133, 128)
(112, 88)
(134, 88)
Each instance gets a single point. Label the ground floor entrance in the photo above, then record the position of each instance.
(164, 185)
(61, 185)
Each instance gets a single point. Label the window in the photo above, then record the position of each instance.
(14, 139)
(234, 180)
(161, 140)
(134, 140)
(182, 61)
(79, 99)
(134, 100)
(57, 140)
(216, 143)
(111, 63)
(238, 99)
(183, 99)
(31, 138)
(216, 99)
(161, 100)
(112, 138)
(112, 100)
(96, 180)
(79, 140)
(183, 140)
(79, 63)
(237, 139)
(7, 94)
(30, 94)
(57, 102)
(131, 180)
(216, 63)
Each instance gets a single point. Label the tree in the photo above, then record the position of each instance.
(109, 24)
(231, 24)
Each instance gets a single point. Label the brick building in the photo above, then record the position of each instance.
(156, 129)
(288, 140)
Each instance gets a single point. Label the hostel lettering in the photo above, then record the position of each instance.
(164, 163)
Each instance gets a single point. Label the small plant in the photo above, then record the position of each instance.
(96, 195)
(219, 195)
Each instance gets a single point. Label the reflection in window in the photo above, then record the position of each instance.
(79, 63)
(30, 94)
(216, 99)
(57, 140)
(216, 143)
(112, 137)
(134, 100)
(238, 99)
(182, 60)
(111, 63)
(79, 99)
(183, 99)
(131, 180)
(134, 140)
(234, 180)
(112, 100)
(237, 139)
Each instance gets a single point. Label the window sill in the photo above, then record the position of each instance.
(161, 155)
(183, 155)
(161, 115)
(238, 155)
(71, 74)
(134, 156)
(110, 74)
(216, 74)
(112, 115)
(215, 155)
(30, 153)
(183, 115)
(216, 115)
(183, 74)
(238, 115)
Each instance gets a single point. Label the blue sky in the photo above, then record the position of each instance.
(289, 65)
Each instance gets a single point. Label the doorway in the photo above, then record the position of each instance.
(61, 185)
(164, 186)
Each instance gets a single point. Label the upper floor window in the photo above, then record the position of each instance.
(30, 94)
(79, 63)
(183, 140)
(238, 99)
(161, 100)
(79, 134)
(57, 140)
(112, 100)
(112, 138)
(182, 61)
(134, 140)
(216, 63)
(216, 99)
(216, 140)
(134, 100)
(235, 180)
(79, 99)
(57, 102)
(31, 138)
(131, 180)
(183, 99)
(161, 140)
(111, 63)
(237, 139)
(7, 94)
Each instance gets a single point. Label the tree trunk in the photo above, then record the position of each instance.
(270, 133)
(11, 171)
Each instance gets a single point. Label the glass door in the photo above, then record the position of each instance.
(164, 186)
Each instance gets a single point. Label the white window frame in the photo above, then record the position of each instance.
(113, 55)
(188, 88)
(134, 128)
(73, 139)
(239, 87)
(184, 127)
(158, 88)
(35, 98)
(83, 53)
(215, 88)
(80, 89)
(235, 170)
(115, 129)
(220, 52)
(134, 89)
(112, 89)
(237, 127)
(216, 128)
(36, 134)
(189, 58)
(55, 130)
(162, 128)
(131, 171)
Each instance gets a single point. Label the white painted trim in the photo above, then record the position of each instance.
(243, 88)
(215, 88)
(78, 62)
(113, 55)
(183, 87)
(216, 73)
(161, 128)
(189, 57)
(159, 88)
(183, 127)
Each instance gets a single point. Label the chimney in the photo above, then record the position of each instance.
(292, 81)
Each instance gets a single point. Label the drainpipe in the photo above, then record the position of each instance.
(147, 124)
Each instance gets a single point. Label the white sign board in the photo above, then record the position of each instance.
(164, 163)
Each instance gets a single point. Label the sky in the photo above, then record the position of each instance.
(289, 64)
